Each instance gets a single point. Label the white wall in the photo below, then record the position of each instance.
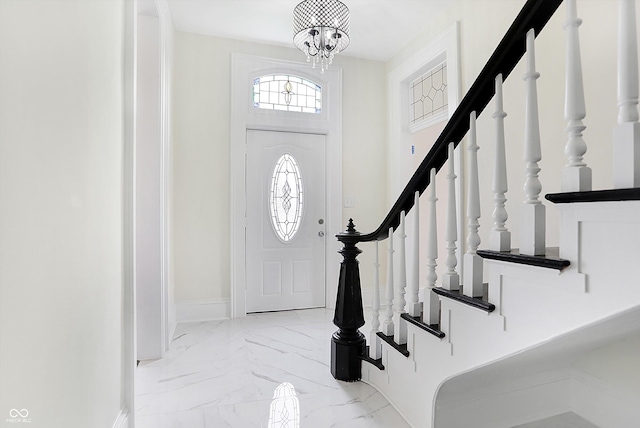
(201, 133)
(61, 137)
(365, 158)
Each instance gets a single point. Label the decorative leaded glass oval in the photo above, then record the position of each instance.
(286, 198)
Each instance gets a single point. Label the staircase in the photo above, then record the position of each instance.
(491, 345)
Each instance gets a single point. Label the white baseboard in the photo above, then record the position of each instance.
(122, 421)
(202, 310)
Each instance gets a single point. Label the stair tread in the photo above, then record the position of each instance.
(368, 359)
(389, 339)
(430, 328)
(550, 260)
(476, 302)
(611, 195)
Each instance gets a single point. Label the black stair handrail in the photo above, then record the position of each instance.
(534, 14)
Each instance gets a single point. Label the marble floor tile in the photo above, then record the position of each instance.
(564, 420)
(251, 414)
(224, 374)
(188, 386)
(185, 419)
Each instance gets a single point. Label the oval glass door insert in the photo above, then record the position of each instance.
(286, 198)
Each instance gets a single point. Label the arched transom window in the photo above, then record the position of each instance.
(287, 93)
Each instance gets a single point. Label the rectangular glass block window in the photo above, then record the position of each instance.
(428, 94)
(287, 93)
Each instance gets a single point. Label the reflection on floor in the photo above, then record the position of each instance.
(224, 374)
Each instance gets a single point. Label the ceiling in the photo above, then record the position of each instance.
(379, 28)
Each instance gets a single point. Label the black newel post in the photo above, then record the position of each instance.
(348, 344)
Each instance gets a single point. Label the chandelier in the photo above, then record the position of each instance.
(321, 30)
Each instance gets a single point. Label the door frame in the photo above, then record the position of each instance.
(244, 68)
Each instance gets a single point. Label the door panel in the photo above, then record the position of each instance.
(286, 269)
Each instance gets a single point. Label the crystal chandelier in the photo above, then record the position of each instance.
(321, 30)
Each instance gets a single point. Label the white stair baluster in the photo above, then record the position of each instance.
(472, 274)
(627, 62)
(375, 350)
(387, 325)
(431, 309)
(450, 279)
(532, 211)
(400, 331)
(576, 175)
(500, 237)
(626, 135)
(414, 308)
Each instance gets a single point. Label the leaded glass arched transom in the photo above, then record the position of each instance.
(286, 198)
(287, 93)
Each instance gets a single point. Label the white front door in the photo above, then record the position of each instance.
(285, 221)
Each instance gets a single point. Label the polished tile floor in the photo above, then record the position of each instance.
(224, 374)
(564, 420)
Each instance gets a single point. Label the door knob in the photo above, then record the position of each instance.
(321, 233)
